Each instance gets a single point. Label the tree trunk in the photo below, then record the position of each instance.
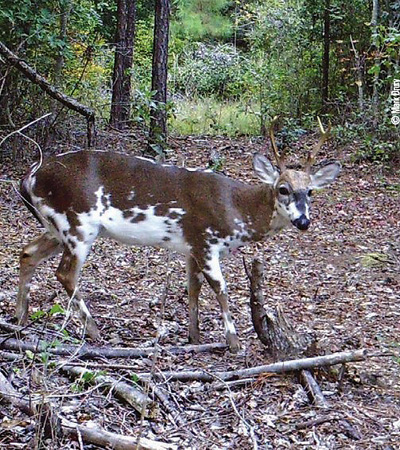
(158, 113)
(325, 60)
(374, 30)
(65, 7)
(121, 92)
(360, 76)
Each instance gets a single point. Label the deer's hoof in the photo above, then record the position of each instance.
(233, 343)
(93, 332)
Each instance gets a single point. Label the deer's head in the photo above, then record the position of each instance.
(293, 188)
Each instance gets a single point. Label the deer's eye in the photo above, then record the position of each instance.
(283, 190)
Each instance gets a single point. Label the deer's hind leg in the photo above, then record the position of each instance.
(67, 274)
(195, 280)
(31, 256)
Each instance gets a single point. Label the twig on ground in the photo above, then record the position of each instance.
(278, 367)
(85, 351)
(82, 433)
(113, 440)
(135, 397)
(312, 389)
(247, 425)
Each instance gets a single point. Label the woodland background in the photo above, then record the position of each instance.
(197, 82)
(232, 66)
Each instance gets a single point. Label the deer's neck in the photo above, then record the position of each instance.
(257, 206)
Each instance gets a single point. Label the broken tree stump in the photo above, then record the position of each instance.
(271, 325)
(280, 337)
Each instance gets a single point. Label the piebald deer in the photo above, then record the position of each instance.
(78, 196)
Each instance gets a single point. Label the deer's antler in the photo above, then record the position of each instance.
(278, 158)
(312, 153)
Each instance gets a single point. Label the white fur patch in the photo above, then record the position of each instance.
(228, 324)
(152, 229)
(214, 271)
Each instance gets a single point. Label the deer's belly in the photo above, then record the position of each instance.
(144, 227)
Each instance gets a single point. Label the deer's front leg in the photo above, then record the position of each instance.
(195, 280)
(213, 274)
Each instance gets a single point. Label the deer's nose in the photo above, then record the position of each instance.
(302, 222)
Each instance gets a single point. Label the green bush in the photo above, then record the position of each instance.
(206, 70)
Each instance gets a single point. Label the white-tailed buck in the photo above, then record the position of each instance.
(78, 196)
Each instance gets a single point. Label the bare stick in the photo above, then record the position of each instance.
(113, 440)
(272, 327)
(135, 397)
(278, 367)
(87, 351)
(23, 128)
(312, 389)
(32, 75)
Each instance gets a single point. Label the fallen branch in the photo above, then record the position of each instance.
(312, 389)
(11, 395)
(90, 352)
(174, 414)
(316, 421)
(32, 75)
(278, 367)
(135, 397)
(112, 440)
(88, 434)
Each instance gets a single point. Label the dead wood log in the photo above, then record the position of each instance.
(112, 440)
(88, 434)
(90, 352)
(174, 413)
(133, 396)
(278, 367)
(11, 395)
(312, 389)
(71, 103)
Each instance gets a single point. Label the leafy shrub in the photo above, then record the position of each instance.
(209, 70)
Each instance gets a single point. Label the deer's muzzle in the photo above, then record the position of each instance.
(302, 222)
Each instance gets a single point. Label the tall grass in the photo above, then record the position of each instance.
(209, 116)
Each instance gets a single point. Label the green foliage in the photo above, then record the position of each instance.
(55, 309)
(379, 144)
(143, 54)
(209, 70)
(135, 379)
(210, 116)
(233, 65)
(201, 19)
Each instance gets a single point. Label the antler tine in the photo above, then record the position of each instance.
(279, 159)
(312, 153)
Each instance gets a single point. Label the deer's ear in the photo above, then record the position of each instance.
(325, 175)
(264, 169)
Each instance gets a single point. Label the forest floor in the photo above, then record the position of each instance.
(341, 279)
